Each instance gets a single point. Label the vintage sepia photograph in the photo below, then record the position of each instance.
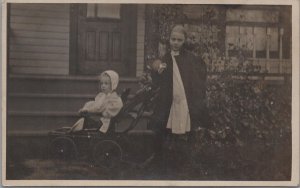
(150, 92)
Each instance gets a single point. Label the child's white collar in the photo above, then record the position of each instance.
(174, 53)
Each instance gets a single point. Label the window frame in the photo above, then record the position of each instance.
(98, 19)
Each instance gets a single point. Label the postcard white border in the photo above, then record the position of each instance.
(295, 102)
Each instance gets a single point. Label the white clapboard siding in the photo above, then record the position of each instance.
(40, 70)
(37, 27)
(40, 35)
(40, 21)
(36, 41)
(37, 63)
(39, 38)
(40, 14)
(53, 7)
(39, 56)
(39, 49)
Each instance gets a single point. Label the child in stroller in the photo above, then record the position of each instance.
(107, 104)
(109, 149)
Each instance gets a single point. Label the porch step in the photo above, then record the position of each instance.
(62, 84)
(43, 122)
(23, 121)
(40, 103)
(47, 102)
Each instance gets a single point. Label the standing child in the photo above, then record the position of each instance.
(180, 109)
(107, 104)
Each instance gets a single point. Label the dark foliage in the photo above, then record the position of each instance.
(248, 110)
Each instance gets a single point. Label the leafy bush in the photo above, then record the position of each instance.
(244, 110)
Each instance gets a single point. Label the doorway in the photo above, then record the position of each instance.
(106, 38)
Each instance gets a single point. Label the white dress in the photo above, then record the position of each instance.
(179, 119)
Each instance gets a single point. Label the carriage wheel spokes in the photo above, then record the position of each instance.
(63, 148)
(107, 154)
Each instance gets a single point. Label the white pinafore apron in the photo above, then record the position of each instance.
(179, 119)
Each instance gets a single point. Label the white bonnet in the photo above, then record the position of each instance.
(114, 78)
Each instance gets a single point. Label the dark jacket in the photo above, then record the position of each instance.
(193, 75)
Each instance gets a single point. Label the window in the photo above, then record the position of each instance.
(258, 16)
(111, 11)
(256, 32)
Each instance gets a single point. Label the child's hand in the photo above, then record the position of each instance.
(106, 114)
(145, 78)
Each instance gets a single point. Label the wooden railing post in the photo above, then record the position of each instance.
(280, 42)
(280, 50)
(254, 44)
(268, 43)
(268, 48)
(226, 44)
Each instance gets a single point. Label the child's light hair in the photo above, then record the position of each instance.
(180, 29)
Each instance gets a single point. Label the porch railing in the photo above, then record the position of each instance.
(253, 65)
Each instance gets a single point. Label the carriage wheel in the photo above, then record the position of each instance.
(107, 154)
(63, 148)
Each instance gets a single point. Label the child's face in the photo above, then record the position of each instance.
(176, 40)
(105, 84)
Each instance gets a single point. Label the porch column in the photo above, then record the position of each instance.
(140, 40)
(280, 43)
